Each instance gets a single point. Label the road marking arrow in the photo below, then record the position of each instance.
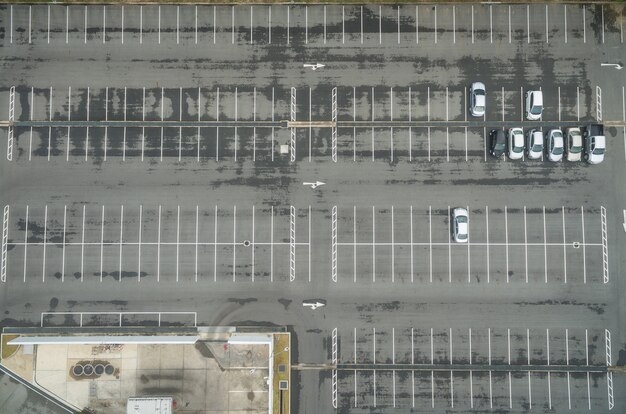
(314, 185)
(615, 65)
(313, 305)
(315, 66)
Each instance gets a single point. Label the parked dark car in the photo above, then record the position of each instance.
(498, 143)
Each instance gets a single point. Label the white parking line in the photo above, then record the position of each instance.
(306, 25)
(545, 247)
(343, 24)
(82, 247)
(584, 24)
(564, 247)
(159, 247)
(251, 25)
(380, 23)
(582, 218)
(393, 361)
(196, 23)
(122, 24)
(140, 25)
(506, 233)
(525, 245)
(26, 242)
(411, 235)
(412, 371)
(159, 24)
(63, 245)
(393, 261)
(214, 27)
(232, 25)
(472, 24)
(453, 25)
(398, 29)
(354, 239)
(324, 24)
(104, 23)
(547, 34)
(121, 239)
(374, 343)
(490, 23)
(559, 100)
(417, 25)
(487, 233)
(269, 24)
(355, 399)
(67, 24)
(234, 242)
(215, 245)
(373, 245)
(177, 24)
(69, 113)
(432, 373)
(271, 243)
(430, 242)
(602, 8)
(565, 19)
(470, 362)
(527, 23)
(449, 247)
(139, 244)
(196, 246)
(48, 24)
(30, 24)
(435, 24)
(177, 239)
(45, 240)
(102, 242)
(530, 395)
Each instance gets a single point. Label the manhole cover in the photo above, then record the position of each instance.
(246, 243)
(576, 245)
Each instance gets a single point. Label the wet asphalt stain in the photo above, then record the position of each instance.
(242, 302)
(285, 303)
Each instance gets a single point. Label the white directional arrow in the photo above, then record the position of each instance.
(315, 66)
(615, 65)
(314, 185)
(313, 305)
(624, 223)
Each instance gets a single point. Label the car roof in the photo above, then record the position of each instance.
(600, 141)
(537, 97)
(480, 100)
(518, 140)
(558, 141)
(537, 136)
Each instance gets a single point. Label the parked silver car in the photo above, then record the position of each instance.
(554, 145)
(574, 146)
(460, 225)
(534, 144)
(534, 105)
(516, 143)
(478, 99)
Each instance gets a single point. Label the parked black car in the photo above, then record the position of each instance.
(498, 143)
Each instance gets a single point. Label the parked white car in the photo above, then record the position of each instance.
(534, 144)
(516, 143)
(534, 105)
(574, 146)
(460, 225)
(478, 99)
(554, 145)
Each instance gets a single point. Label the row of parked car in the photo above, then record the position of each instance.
(478, 102)
(589, 143)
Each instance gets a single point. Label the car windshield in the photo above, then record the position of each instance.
(535, 110)
(461, 236)
(461, 219)
(557, 151)
(575, 150)
(598, 151)
(518, 149)
(537, 148)
(478, 92)
(479, 108)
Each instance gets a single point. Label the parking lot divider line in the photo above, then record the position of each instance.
(430, 244)
(565, 20)
(30, 24)
(354, 238)
(101, 241)
(451, 389)
(139, 244)
(525, 245)
(234, 242)
(159, 248)
(545, 248)
(121, 239)
(324, 24)
(412, 247)
(491, 23)
(380, 24)
(306, 25)
(215, 246)
(582, 218)
(196, 246)
(26, 243)
(602, 11)
(417, 25)
(471, 377)
(177, 239)
(398, 34)
(271, 243)
(251, 25)
(449, 246)
(48, 24)
(435, 24)
(393, 260)
(509, 24)
(309, 244)
(547, 35)
(67, 24)
(373, 244)
(506, 234)
(63, 245)
(122, 24)
(564, 247)
(527, 23)
(453, 24)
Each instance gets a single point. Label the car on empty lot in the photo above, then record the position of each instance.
(516, 143)
(534, 105)
(574, 144)
(460, 225)
(478, 99)
(498, 143)
(534, 144)
(554, 145)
